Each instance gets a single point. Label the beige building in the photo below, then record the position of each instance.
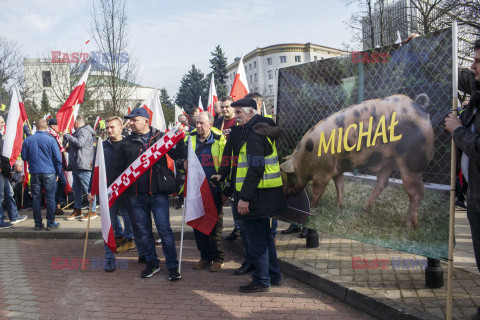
(262, 64)
(58, 80)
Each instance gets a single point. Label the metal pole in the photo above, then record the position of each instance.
(453, 173)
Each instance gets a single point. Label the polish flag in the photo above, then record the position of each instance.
(69, 178)
(68, 112)
(99, 187)
(12, 142)
(96, 122)
(200, 211)
(212, 96)
(240, 84)
(178, 111)
(154, 108)
(87, 41)
(47, 116)
(200, 105)
(129, 110)
(26, 174)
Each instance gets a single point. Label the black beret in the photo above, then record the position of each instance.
(245, 102)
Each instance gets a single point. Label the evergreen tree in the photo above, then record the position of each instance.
(167, 106)
(218, 63)
(45, 104)
(192, 86)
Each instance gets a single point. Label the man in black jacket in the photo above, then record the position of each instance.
(466, 134)
(148, 195)
(258, 193)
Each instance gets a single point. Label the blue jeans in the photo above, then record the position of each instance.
(143, 206)
(239, 224)
(81, 182)
(47, 182)
(263, 252)
(60, 197)
(6, 193)
(9, 202)
(118, 209)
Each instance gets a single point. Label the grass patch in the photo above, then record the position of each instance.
(385, 224)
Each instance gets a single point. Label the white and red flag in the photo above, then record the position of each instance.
(212, 96)
(200, 105)
(240, 84)
(154, 108)
(68, 112)
(87, 41)
(200, 210)
(12, 142)
(96, 122)
(47, 116)
(99, 187)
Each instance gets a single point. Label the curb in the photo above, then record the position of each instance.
(75, 234)
(379, 308)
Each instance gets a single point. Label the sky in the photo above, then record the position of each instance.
(167, 37)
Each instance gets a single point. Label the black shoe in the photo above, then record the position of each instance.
(244, 269)
(252, 287)
(150, 270)
(142, 259)
(234, 235)
(276, 283)
(292, 229)
(39, 227)
(460, 204)
(303, 233)
(173, 274)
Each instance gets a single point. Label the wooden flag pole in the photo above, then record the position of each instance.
(69, 204)
(86, 237)
(23, 191)
(453, 176)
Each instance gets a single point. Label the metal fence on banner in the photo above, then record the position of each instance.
(310, 92)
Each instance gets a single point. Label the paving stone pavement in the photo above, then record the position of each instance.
(399, 287)
(40, 280)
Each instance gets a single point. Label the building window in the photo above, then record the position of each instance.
(47, 78)
(246, 69)
(250, 66)
(254, 64)
(315, 58)
(270, 89)
(251, 79)
(283, 59)
(269, 61)
(270, 74)
(298, 59)
(255, 77)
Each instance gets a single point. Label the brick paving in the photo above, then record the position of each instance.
(400, 288)
(40, 280)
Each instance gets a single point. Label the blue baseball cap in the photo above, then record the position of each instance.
(138, 112)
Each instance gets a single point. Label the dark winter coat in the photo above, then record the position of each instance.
(80, 148)
(131, 148)
(263, 202)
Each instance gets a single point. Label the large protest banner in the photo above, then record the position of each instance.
(367, 116)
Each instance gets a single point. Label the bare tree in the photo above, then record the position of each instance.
(10, 67)
(432, 15)
(368, 22)
(109, 29)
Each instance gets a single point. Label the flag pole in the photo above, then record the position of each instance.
(181, 237)
(23, 191)
(86, 237)
(453, 174)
